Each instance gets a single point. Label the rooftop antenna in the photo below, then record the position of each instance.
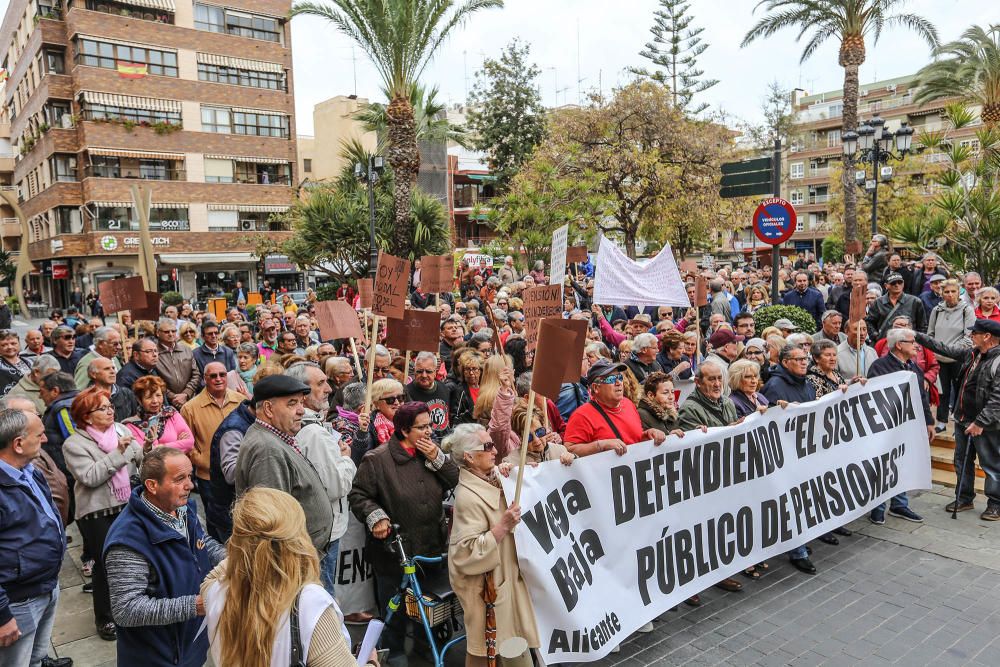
(465, 65)
(354, 61)
(579, 96)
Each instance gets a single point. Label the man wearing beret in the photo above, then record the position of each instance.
(270, 457)
(977, 414)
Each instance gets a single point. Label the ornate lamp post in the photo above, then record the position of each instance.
(871, 143)
(369, 174)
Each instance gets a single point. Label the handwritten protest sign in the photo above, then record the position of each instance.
(337, 320)
(576, 253)
(858, 304)
(417, 330)
(551, 358)
(701, 291)
(557, 263)
(366, 292)
(437, 273)
(122, 294)
(689, 266)
(611, 542)
(391, 280)
(540, 302)
(151, 311)
(622, 282)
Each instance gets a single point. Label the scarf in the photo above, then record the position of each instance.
(156, 423)
(247, 377)
(121, 488)
(347, 414)
(383, 428)
(658, 410)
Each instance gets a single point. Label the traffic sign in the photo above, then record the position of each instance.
(747, 178)
(774, 221)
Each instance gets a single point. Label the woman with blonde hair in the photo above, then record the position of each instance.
(489, 385)
(387, 396)
(187, 332)
(271, 572)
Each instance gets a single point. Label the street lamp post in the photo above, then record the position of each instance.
(872, 143)
(369, 174)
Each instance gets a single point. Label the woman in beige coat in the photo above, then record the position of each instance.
(482, 541)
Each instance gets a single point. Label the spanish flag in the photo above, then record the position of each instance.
(127, 70)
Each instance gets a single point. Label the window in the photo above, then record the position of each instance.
(215, 120)
(832, 138)
(307, 164)
(796, 170)
(163, 219)
(797, 197)
(92, 111)
(241, 77)
(209, 17)
(58, 114)
(800, 225)
(55, 62)
(63, 168)
(223, 221)
(260, 124)
(219, 19)
(68, 220)
(103, 54)
(126, 8)
(218, 171)
(157, 170)
(105, 166)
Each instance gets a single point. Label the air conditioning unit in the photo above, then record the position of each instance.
(863, 93)
(891, 88)
(246, 225)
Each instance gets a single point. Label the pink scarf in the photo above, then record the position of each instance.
(108, 442)
(383, 428)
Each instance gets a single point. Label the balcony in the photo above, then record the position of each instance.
(10, 227)
(819, 172)
(157, 175)
(819, 199)
(130, 10)
(885, 104)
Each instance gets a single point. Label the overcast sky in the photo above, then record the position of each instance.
(611, 34)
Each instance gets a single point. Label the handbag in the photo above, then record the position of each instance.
(297, 655)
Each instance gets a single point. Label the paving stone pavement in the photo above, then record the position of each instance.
(903, 593)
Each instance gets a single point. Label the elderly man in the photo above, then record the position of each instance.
(832, 323)
(176, 365)
(931, 295)
(920, 282)
(212, 349)
(268, 343)
(32, 545)
(977, 414)
(145, 355)
(47, 328)
(29, 387)
(805, 297)
(720, 301)
(437, 395)
(893, 303)
(304, 335)
(64, 349)
(270, 457)
(286, 343)
(157, 554)
(204, 413)
(107, 345)
(877, 256)
(854, 355)
(339, 374)
(902, 346)
(330, 456)
(58, 390)
(101, 372)
(972, 282)
(383, 362)
(642, 359)
(725, 349)
(507, 273)
(34, 346)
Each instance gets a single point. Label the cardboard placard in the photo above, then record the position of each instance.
(337, 320)
(689, 266)
(437, 273)
(573, 353)
(701, 291)
(576, 254)
(391, 280)
(859, 304)
(151, 312)
(366, 290)
(418, 330)
(540, 302)
(551, 359)
(122, 294)
(557, 255)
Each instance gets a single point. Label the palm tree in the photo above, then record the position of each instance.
(428, 117)
(850, 21)
(400, 37)
(968, 68)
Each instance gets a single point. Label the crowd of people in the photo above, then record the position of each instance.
(288, 443)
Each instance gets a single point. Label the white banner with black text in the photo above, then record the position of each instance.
(612, 542)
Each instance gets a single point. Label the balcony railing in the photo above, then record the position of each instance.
(819, 199)
(888, 103)
(160, 175)
(811, 115)
(818, 172)
(252, 226)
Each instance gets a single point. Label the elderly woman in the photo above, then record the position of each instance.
(656, 406)
(12, 367)
(387, 396)
(188, 334)
(672, 358)
(986, 304)
(469, 374)
(755, 350)
(482, 545)
(403, 483)
(823, 374)
(101, 456)
(351, 422)
(230, 336)
(744, 383)
(241, 378)
(158, 424)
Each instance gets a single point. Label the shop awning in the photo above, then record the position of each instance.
(250, 158)
(146, 155)
(207, 258)
(163, 5)
(249, 208)
(259, 112)
(131, 101)
(240, 63)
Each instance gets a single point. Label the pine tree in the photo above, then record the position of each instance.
(507, 117)
(675, 49)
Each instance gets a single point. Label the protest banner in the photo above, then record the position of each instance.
(391, 280)
(611, 542)
(576, 254)
(557, 256)
(417, 330)
(366, 292)
(540, 302)
(122, 294)
(150, 312)
(337, 320)
(689, 266)
(619, 281)
(700, 291)
(437, 273)
(354, 576)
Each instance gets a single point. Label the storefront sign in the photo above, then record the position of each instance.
(55, 245)
(111, 243)
(279, 264)
(60, 269)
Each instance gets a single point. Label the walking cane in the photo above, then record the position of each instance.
(961, 473)
(490, 598)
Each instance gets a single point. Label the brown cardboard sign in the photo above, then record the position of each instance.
(391, 280)
(366, 291)
(574, 356)
(337, 320)
(417, 330)
(701, 291)
(540, 302)
(689, 266)
(552, 358)
(151, 312)
(122, 294)
(437, 273)
(576, 253)
(859, 304)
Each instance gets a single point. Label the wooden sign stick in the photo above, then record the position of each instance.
(524, 446)
(357, 360)
(371, 362)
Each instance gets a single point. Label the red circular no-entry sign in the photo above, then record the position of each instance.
(774, 221)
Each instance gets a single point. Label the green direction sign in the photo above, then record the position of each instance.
(747, 178)
(760, 164)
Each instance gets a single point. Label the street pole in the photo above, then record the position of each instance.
(875, 176)
(373, 248)
(776, 187)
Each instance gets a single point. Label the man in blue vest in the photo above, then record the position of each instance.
(156, 555)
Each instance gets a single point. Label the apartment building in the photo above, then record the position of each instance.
(193, 99)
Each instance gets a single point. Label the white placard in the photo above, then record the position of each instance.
(557, 261)
(355, 582)
(619, 281)
(612, 542)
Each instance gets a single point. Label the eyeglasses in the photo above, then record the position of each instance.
(424, 371)
(103, 408)
(911, 340)
(539, 433)
(212, 376)
(798, 358)
(614, 378)
(393, 400)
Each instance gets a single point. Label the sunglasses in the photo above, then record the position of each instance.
(485, 447)
(614, 378)
(393, 400)
(539, 433)
(212, 376)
